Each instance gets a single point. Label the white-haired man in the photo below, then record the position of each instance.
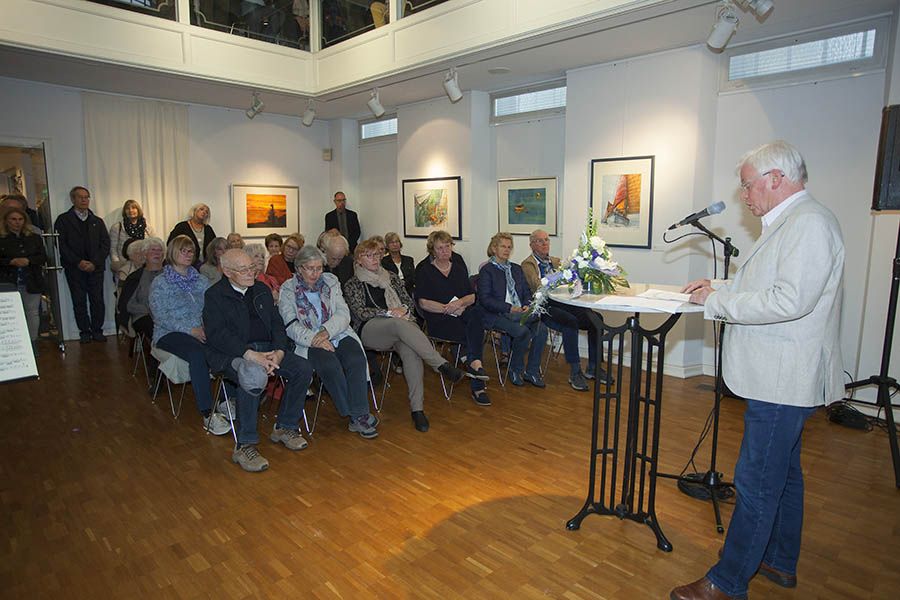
(781, 352)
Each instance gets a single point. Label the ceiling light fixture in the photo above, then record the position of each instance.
(724, 27)
(451, 86)
(760, 7)
(374, 104)
(309, 115)
(256, 106)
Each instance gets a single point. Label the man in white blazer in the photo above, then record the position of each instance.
(782, 352)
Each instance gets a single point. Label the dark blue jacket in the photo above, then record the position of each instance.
(72, 246)
(227, 323)
(492, 291)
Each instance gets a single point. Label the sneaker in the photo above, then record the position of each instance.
(372, 420)
(224, 408)
(481, 398)
(579, 382)
(451, 373)
(216, 424)
(311, 392)
(515, 378)
(361, 426)
(398, 369)
(534, 380)
(478, 373)
(291, 438)
(250, 459)
(420, 421)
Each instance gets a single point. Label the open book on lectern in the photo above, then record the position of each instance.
(16, 356)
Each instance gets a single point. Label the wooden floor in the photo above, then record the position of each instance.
(104, 495)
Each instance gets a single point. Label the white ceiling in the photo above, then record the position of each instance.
(540, 58)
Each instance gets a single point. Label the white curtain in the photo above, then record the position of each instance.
(137, 149)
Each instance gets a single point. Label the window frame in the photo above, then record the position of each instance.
(531, 114)
(877, 62)
(377, 138)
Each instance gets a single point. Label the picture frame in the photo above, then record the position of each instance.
(259, 210)
(622, 200)
(527, 203)
(431, 204)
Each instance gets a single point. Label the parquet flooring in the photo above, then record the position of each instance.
(104, 495)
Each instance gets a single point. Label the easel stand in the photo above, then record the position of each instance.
(711, 485)
(885, 382)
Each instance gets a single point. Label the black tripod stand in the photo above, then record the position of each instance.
(711, 485)
(885, 382)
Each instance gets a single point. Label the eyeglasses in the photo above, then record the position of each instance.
(187, 251)
(244, 270)
(746, 185)
(371, 255)
(313, 269)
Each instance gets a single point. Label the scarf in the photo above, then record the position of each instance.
(186, 283)
(510, 282)
(545, 266)
(380, 279)
(306, 313)
(135, 230)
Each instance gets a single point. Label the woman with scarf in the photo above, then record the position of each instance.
(176, 304)
(382, 314)
(504, 295)
(318, 321)
(131, 228)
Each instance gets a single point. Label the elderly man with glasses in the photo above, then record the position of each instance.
(246, 340)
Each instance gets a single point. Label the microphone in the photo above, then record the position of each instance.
(712, 209)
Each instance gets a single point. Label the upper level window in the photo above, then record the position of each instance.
(532, 102)
(344, 19)
(836, 52)
(376, 130)
(282, 22)
(411, 7)
(157, 8)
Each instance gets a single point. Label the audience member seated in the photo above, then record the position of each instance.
(399, 264)
(338, 261)
(382, 314)
(257, 254)
(246, 342)
(21, 257)
(273, 245)
(176, 304)
(318, 321)
(133, 252)
(281, 266)
(211, 269)
(504, 295)
(131, 228)
(382, 246)
(234, 240)
(198, 231)
(134, 299)
(447, 302)
(565, 319)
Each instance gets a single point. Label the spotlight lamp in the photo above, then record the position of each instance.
(451, 86)
(309, 115)
(374, 104)
(724, 27)
(760, 7)
(256, 106)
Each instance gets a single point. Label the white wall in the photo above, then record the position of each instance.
(380, 201)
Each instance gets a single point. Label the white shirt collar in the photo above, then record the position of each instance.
(240, 291)
(769, 217)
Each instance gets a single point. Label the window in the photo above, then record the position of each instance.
(340, 20)
(822, 54)
(156, 8)
(285, 23)
(377, 130)
(532, 102)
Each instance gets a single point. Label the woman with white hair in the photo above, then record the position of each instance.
(257, 252)
(197, 228)
(134, 299)
(131, 228)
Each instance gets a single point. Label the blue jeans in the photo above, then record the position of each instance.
(533, 332)
(297, 373)
(768, 516)
(193, 351)
(344, 373)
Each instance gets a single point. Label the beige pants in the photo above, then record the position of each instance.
(406, 339)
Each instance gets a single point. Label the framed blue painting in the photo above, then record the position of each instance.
(526, 204)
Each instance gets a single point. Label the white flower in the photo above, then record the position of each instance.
(567, 274)
(586, 254)
(610, 267)
(544, 281)
(597, 243)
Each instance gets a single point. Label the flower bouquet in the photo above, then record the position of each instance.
(590, 269)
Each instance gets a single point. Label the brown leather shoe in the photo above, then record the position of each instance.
(785, 580)
(702, 589)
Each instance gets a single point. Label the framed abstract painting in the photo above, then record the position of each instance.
(622, 200)
(430, 204)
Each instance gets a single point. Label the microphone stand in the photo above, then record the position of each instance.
(710, 484)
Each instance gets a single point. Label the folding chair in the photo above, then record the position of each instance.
(277, 384)
(175, 370)
(435, 341)
(554, 337)
(140, 355)
(221, 388)
(502, 374)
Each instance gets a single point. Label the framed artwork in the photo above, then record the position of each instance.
(431, 204)
(622, 200)
(258, 210)
(527, 204)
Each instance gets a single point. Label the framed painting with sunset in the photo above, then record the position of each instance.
(258, 210)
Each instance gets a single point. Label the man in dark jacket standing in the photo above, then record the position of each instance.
(344, 220)
(246, 340)
(83, 248)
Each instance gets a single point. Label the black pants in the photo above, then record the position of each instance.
(83, 287)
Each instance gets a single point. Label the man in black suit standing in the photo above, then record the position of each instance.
(344, 220)
(83, 248)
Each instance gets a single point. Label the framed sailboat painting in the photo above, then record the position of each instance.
(622, 200)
